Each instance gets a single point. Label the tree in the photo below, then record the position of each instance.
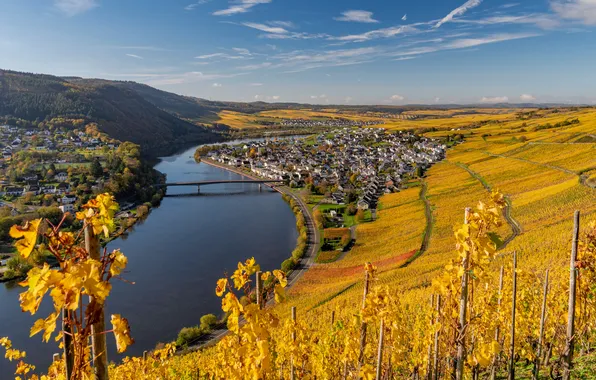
(360, 215)
(96, 168)
(319, 218)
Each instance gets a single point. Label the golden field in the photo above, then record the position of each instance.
(545, 174)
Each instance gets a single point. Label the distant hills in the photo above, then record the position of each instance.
(155, 119)
(126, 111)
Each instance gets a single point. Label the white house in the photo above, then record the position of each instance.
(61, 177)
(67, 208)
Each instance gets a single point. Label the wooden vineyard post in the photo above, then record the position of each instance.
(292, 371)
(541, 334)
(463, 309)
(55, 358)
(429, 367)
(435, 369)
(259, 290)
(98, 337)
(568, 353)
(67, 343)
(363, 325)
(493, 370)
(380, 353)
(332, 318)
(511, 375)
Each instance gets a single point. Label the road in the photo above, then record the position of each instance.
(305, 263)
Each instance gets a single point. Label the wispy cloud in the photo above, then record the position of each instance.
(509, 5)
(581, 10)
(397, 98)
(544, 21)
(189, 77)
(222, 56)
(134, 56)
(527, 98)
(265, 28)
(242, 6)
(283, 24)
(405, 18)
(379, 33)
(216, 85)
(458, 11)
(75, 7)
(139, 47)
(405, 58)
(494, 99)
(192, 6)
(256, 84)
(356, 16)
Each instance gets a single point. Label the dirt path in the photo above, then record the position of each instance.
(428, 213)
(513, 224)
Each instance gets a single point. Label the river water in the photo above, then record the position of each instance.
(175, 258)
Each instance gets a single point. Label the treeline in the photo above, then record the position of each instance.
(557, 125)
(301, 244)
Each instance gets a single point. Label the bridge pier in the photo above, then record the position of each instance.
(198, 189)
(260, 187)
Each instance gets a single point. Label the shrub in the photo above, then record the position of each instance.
(288, 265)
(208, 321)
(188, 335)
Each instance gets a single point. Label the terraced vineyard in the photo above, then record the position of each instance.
(539, 162)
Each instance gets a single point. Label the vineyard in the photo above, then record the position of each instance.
(465, 306)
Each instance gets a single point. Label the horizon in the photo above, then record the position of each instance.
(456, 52)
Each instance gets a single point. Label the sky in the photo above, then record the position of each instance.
(315, 51)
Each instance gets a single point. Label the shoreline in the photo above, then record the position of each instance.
(305, 262)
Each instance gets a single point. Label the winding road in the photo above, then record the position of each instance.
(312, 247)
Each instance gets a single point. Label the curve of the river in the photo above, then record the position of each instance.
(175, 258)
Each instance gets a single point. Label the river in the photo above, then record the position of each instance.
(175, 258)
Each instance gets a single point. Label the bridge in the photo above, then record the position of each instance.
(198, 184)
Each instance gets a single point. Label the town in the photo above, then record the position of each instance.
(361, 163)
(44, 163)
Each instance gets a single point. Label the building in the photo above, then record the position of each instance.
(67, 208)
(61, 177)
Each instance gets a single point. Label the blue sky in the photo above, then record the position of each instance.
(316, 51)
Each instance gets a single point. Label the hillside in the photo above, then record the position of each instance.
(544, 167)
(119, 110)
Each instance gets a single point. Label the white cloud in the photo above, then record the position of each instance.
(222, 56)
(189, 77)
(192, 6)
(242, 6)
(544, 21)
(356, 16)
(283, 24)
(458, 11)
(348, 99)
(242, 51)
(265, 28)
(405, 58)
(405, 18)
(318, 96)
(379, 33)
(581, 10)
(275, 97)
(527, 98)
(437, 99)
(494, 99)
(509, 5)
(471, 42)
(256, 66)
(134, 56)
(216, 85)
(74, 7)
(397, 98)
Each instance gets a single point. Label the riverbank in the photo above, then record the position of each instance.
(305, 263)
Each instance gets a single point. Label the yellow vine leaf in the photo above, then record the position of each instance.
(28, 233)
(280, 293)
(119, 263)
(222, 283)
(121, 332)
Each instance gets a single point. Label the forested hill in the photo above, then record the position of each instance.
(119, 108)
